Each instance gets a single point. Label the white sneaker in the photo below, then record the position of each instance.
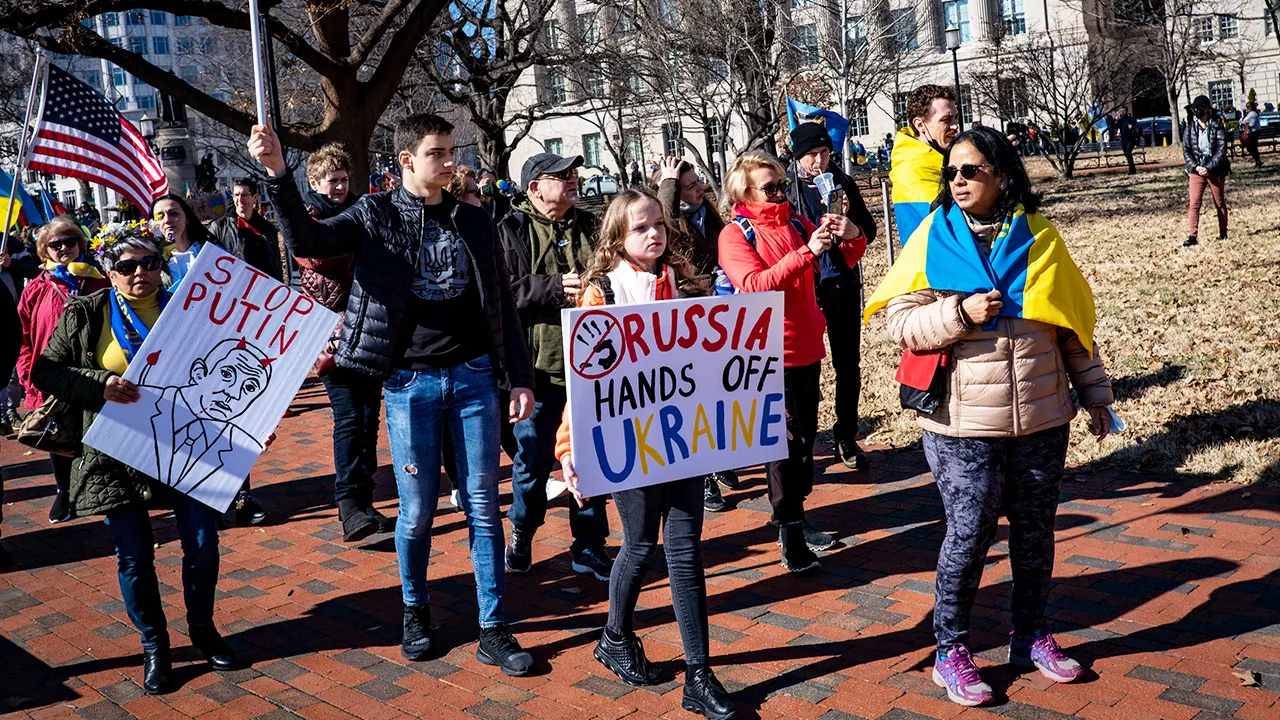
(453, 498)
(556, 488)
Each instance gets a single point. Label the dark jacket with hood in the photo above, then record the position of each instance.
(704, 243)
(832, 269)
(535, 248)
(261, 249)
(384, 232)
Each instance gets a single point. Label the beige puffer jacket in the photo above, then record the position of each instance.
(1004, 383)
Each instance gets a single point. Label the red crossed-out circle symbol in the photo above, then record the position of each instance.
(598, 345)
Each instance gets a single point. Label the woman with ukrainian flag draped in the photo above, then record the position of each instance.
(93, 344)
(67, 272)
(986, 296)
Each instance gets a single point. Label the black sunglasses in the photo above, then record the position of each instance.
(968, 172)
(563, 175)
(150, 263)
(63, 243)
(775, 188)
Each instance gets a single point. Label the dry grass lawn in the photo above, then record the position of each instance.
(1191, 336)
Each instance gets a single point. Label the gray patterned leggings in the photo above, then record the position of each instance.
(981, 478)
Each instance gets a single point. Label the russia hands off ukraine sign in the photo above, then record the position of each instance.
(674, 389)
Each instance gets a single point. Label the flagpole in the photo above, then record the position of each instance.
(255, 37)
(22, 151)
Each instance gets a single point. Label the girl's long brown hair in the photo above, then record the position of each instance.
(613, 232)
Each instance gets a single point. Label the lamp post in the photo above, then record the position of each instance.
(953, 44)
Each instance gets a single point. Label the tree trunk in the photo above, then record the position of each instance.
(1171, 95)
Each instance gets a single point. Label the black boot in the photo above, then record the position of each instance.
(357, 524)
(625, 657)
(796, 555)
(385, 524)
(1191, 240)
(248, 511)
(213, 647)
(156, 669)
(703, 694)
(848, 452)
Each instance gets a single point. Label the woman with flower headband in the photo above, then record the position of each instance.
(90, 349)
(67, 272)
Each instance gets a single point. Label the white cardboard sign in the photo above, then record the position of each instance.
(674, 389)
(216, 374)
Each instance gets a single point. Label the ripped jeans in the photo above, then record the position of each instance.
(419, 405)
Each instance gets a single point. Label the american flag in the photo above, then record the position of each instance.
(80, 134)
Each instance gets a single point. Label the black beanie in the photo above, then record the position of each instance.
(808, 136)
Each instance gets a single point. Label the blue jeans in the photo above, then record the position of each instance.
(356, 400)
(419, 406)
(198, 531)
(535, 459)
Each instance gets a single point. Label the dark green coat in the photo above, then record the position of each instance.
(69, 370)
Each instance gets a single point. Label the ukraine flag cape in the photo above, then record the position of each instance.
(916, 173)
(1029, 265)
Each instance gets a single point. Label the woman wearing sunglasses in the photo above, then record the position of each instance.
(986, 291)
(66, 273)
(769, 247)
(91, 347)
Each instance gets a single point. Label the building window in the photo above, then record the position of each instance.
(1203, 28)
(1013, 98)
(186, 45)
(634, 145)
(635, 83)
(671, 135)
(69, 198)
(593, 82)
(1228, 27)
(555, 146)
(592, 153)
(93, 79)
(160, 44)
(590, 30)
(556, 94)
(189, 73)
(138, 45)
(856, 30)
(135, 17)
(956, 12)
(807, 44)
(145, 102)
(900, 109)
(1220, 94)
(667, 12)
(904, 28)
(159, 17)
(715, 136)
(181, 19)
(626, 20)
(966, 105)
(551, 34)
(859, 123)
(112, 19)
(1015, 17)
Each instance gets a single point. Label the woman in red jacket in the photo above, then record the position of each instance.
(62, 247)
(769, 246)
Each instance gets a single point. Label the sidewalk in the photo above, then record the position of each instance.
(1166, 587)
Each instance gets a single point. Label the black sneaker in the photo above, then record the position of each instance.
(519, 556)
(712, 500)
(1191, 240)
(356, 522)
(248, 511)
(60, 511)
(498, 647)
(816, 539)
(728, 479)
(626, 659)
(593, 561)
(703, 694)
(416, 641)
(796, 555)
(851, 456)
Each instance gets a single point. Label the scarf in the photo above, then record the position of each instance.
(127, 328)
(916, 175)
(1029, 265)
(180, 262)
(71, 273)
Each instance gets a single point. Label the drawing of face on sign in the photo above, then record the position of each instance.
(226, 381)
(443, 269)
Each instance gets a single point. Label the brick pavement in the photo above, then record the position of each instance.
(1165, 588)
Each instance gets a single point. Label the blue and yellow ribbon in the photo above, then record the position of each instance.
(71, 273)
(1029, 265)
(916, 173)
(128, 329)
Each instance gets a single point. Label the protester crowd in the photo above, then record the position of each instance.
(450, 295)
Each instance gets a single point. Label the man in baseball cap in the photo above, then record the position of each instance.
(548, 242)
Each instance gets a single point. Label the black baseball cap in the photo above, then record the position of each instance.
(547, 164)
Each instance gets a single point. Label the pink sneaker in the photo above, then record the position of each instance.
(960, 677)
(1043, 654)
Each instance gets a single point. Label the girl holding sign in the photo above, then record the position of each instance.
(634, 264)
(92, 346)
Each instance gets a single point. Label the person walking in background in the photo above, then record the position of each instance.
(1249, 128)
(683, 196)
(95, 340)
(67, 272)
(636, 263)
(431, 312)
(996, 436)
(839, 284)
(781, 253)
(1129, 134)
(354, 397)
(932, 123)
(548, 242)
(1204, 148)
(245, 233)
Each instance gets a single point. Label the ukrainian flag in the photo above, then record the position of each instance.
(916, 173)
(1029, 265)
